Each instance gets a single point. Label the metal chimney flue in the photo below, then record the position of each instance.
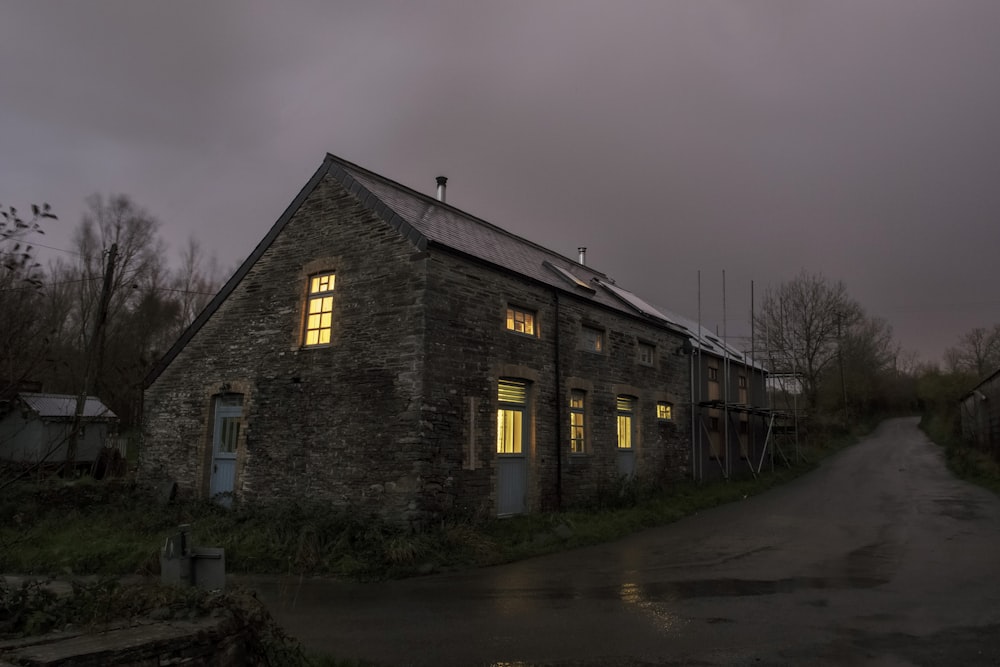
(442, 181)
(583, 255)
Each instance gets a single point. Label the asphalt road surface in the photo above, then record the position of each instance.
(879, 557)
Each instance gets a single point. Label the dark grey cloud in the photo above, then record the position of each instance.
(854, 138)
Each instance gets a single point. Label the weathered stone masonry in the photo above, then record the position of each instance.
(398, 414)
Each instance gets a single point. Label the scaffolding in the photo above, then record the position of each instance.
(733, 435)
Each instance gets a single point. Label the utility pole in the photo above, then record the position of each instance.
(93, 355)
(840, 362)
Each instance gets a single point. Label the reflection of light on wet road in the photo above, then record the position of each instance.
(631, 593)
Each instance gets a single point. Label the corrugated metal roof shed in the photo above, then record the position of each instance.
(64, 406)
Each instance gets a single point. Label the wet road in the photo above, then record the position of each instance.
(879, 557)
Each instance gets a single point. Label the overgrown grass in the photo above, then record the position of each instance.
(88, 527)
(964, 461)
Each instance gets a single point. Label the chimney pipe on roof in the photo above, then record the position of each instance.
(441, 181)
(583, 255)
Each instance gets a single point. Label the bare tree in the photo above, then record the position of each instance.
(195, 282)
(22, 334)
(977, 352)
(866, 372)
(802, 323)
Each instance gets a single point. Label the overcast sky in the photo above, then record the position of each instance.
(859, 139)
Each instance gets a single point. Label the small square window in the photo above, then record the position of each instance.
(647, 353)
(592, 339)
(520, 320)
(713, 374)
(743, 381)
(664, 411)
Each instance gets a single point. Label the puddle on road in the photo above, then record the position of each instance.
(963, 509)
(703, 588)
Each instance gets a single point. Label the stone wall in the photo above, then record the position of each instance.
(339, 423)
(215, 642)
(469, 350)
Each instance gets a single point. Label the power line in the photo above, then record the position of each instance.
(82, 280)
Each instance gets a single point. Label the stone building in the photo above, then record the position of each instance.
(384, 351)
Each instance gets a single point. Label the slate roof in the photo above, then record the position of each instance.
(441, 224)
(427, 222)
(52, 406)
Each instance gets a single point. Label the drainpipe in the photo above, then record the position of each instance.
(695, 356)
(559, 409)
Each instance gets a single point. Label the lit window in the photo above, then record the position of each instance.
(319, 311)
(647, 353)
(513, 404)
(521, 321)
(592, 339)
(664, 411)
(576, 421)
(626, 408)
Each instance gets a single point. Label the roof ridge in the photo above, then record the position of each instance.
(434, 201)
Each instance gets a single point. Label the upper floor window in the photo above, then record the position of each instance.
(647, 353)
(713, 373)
(521, 321)
(743, 381)
(664, 411)
(592, 339)
(319, 309)
(577, 435)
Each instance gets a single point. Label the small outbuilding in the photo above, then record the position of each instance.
(35, 428)
(981, 416)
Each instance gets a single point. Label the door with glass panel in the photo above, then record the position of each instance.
(626, 435)
(225, 435)
(512, 443)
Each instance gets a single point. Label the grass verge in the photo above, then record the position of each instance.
(106, 528)
(964, 461)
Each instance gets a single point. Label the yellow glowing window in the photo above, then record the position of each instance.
(576, 422)
(319, 310)
(626, 406)
(521, 321)
(513, 399)
(664, 411)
